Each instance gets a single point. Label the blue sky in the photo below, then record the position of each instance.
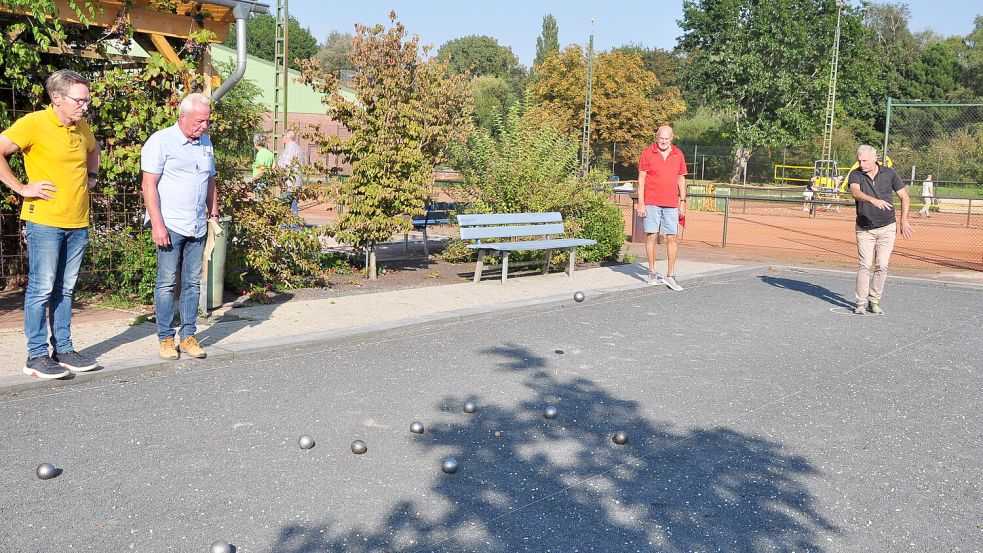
(517, 23)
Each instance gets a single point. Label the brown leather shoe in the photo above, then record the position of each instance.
(167, 350)
(190, 346)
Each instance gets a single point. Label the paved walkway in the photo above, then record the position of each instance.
(123, 344)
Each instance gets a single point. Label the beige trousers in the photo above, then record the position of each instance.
(874, 249)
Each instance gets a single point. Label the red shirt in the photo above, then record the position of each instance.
(662, 175)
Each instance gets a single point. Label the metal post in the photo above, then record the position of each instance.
(969, 212)
(726, 219)
(887, 128)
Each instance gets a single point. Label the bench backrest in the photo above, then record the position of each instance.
(509, 225)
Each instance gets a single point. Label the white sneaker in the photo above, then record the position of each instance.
(670, 281)
(654, 278)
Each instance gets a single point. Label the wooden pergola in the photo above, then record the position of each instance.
(153, 30)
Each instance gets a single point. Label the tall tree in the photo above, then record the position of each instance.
(972, 57)
(407, 111)
(549, 40)
(479, 55)
(261, 39)
(626, 104)
(335, 54)
(492, 98)
(763, 63)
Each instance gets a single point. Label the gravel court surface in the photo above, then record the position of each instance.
(759, 421)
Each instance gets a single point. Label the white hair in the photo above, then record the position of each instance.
(290, 134)
(188, 102)
(868, 149)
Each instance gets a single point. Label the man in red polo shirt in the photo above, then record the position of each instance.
(662, 201)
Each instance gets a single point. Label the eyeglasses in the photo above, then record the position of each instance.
(83, 102)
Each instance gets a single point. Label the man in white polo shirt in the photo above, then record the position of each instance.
(179, 190)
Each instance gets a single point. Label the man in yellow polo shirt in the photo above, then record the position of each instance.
(61, 159)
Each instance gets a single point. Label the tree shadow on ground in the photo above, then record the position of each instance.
(562, 485)
(814, 290)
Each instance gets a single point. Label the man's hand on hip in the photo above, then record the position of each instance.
(42, 189)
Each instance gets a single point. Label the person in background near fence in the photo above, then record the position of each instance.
(292, 155)
(264, 159)
(928, 193)
(178, 166)
(808, 194)
(662, 201)
(872, 186)
(61, 158)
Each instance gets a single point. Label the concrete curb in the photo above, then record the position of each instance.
(13, 385)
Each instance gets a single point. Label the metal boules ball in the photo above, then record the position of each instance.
(416, 427)
(305, 442)
(359, 447)
(46, 471)
(470, 407)
(578, 297)
(449, 465)
(558, 351)
(220, 546)
(620, 438)
(550, 413)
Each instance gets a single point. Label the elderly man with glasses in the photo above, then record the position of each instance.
(61, 159)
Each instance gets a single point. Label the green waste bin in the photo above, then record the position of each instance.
(215, 276)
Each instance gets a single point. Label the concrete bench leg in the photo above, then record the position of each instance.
(479, 266)
(573, 258)
(505, 266)
(546, 264)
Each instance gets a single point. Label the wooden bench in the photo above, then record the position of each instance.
(518, 225)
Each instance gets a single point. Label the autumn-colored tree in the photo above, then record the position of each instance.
(406, 112)
(626, 108)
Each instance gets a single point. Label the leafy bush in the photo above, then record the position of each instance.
(124, 262)
(525, 166)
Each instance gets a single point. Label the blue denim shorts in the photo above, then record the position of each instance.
(665, 217)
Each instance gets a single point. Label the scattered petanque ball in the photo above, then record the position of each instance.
(220, 546)
(558, 351)
(498, 433)
(550, 413)
(449, 465)
(578, 297)
(416, 427)
(470, 407)
(46, 471)
(359, 447)
(305, 442)
(620, 438)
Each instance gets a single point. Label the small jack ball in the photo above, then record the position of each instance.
(305, 442)
(46, 471)
(416, 427)
(470, 407)
(220, 546)
(620, 438)
(359, 447)
(550, 413)
(449, 465)
(578, 297)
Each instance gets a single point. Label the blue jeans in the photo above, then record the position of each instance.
(54, 257)
(185, 254)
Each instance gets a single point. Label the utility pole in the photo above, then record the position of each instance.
(589, 87)
(281, 74)
(831, 92)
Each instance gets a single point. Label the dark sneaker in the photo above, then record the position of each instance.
(75, 361)
(43, 366)
(875, 308)
(670, 281)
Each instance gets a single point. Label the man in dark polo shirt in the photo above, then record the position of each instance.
(872, 186)
(662, 200)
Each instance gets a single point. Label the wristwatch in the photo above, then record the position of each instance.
(93, 175)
